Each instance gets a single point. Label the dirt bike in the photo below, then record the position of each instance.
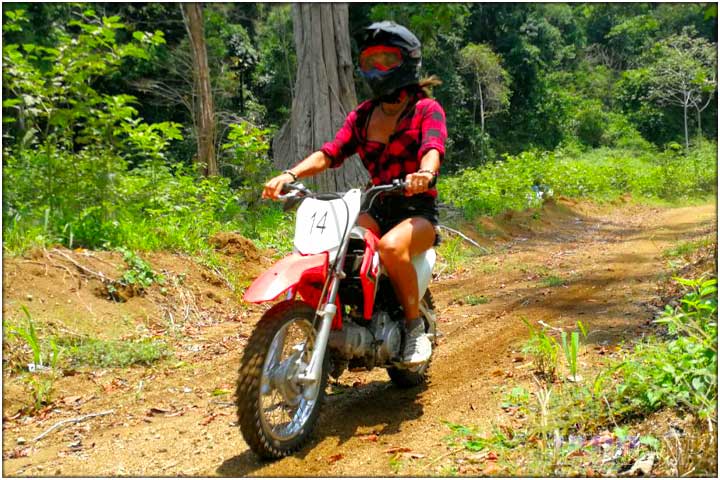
(349, 317)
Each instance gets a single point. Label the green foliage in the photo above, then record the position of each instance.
(114, 353)
(247, 163)
(474, 440)
(454, 254)
(602, 174)
(137, 277)
(683, 73)
(42, 373)
(571, 349)
(681, 371)
(685, 248)
(543, 349)
(274, 77)
(553, 281)
(476, 300)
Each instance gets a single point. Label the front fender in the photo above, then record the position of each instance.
(285, 274)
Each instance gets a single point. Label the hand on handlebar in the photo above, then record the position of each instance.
(417, 182)
(274, 186)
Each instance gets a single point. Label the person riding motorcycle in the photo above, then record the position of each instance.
(399, 134)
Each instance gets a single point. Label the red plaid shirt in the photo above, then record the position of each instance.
(421, 127)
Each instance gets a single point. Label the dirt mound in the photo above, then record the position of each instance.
(232, 243)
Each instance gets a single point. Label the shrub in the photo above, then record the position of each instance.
(683, 370)
(591, 122)
(601, 174)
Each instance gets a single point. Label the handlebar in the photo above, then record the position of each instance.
(294, 192)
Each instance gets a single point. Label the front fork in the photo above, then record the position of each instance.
(310, 376)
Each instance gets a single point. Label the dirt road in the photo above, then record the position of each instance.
(574, 262)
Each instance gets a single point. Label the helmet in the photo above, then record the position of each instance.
(390, 59)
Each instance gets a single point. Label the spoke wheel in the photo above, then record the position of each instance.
(276, 412)
(408, 378)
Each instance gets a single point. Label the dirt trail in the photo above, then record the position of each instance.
(608, 260)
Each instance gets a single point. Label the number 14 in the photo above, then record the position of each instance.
(321, 222)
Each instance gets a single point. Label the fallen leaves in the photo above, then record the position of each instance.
(397, 450)
(166, 412)
(334, 458)
(208, 419)
(373, 437)
(18, 452)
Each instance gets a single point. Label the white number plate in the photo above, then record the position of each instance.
(320, 224)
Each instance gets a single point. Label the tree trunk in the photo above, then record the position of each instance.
(324, 93)
(687, 141)
(482, 109)
(193, 17)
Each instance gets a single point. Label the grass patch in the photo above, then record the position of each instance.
(454, 253)
(686, 248)
(113, 353)
(476, 300)
(553, 281)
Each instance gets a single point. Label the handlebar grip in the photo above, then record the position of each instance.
(286, 188)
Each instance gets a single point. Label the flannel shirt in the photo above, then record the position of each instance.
(421, 127)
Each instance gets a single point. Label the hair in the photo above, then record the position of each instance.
(426, 84)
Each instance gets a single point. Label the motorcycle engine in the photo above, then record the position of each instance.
(372, 345)
(388, 337)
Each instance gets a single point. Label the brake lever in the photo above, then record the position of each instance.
(291, 202)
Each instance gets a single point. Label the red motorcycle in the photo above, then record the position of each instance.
(346, 316)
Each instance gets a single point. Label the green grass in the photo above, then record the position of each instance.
(113, 353)
(602, 174)
(686, 248)
(553, 281)
(476, 300)
(455, 253)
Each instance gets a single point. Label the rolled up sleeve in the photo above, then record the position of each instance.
(345, 143)
(434, 131)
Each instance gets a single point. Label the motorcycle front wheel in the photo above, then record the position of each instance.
(276, 413)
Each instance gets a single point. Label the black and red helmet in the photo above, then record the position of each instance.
(390, 58)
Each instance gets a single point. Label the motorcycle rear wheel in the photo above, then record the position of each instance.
(407, 378)
(276, 414)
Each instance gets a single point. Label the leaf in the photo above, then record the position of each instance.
(208, 419)
(220, 391)
(491, 470)
(335, 458)
(11, 102)
(650, 441)
(397, 450)
(71, 399)
(157, 411)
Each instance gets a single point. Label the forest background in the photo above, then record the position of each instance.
(101, 117)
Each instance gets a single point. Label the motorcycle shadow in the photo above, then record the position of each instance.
(376, 407)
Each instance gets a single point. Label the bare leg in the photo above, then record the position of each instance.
(367, 221)
(407, 239)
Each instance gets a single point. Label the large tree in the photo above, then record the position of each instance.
(684, 74)
(492, 93)
(324, 92)
(203, 99)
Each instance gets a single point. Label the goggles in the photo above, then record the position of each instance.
(380, 57)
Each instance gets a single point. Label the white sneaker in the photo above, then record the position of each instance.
(417, 346)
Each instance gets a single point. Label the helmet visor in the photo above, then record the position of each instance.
(380, 57)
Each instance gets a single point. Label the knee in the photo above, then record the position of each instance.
(392, 250)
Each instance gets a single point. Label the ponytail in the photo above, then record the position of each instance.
(426, 84)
